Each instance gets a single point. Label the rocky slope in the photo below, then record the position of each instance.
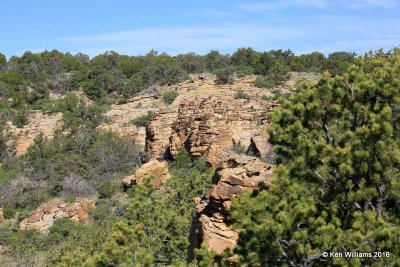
(200, 91)
(208, 120)
(45, 215)
(205, 113)
(119, 117)
(19, 139)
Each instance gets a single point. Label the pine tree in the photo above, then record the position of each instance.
(337, 187)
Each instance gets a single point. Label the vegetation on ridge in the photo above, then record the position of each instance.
(337, 145)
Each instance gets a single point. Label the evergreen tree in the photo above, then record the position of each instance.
(337, 187)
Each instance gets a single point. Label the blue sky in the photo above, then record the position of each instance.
(135, 27)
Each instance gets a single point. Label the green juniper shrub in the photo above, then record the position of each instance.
(263, 82)
(243, 71)
(225, 75)
(107, 189)
(241, 95)
(169, 96)
(239, 148)
(182, 160)
(143, 120)
(8, 211)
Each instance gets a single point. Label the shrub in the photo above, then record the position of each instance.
(169, 96)
(273, 76)
(243, 71)
(264, 97)
(143, 120)
(21, 117)
(239, 148)
(241, 95)
(8, 211)
(71, 199)
(182, 160)
(263, 82)
(106, 189)
(225, 75)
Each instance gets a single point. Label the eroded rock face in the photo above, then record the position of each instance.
(1, 216)
(156, 138)
(213, 121)
(159, 131)
(44, 216)
(19, 139)
(119, 117)
(234, 174)
(205, 113)
(158, 169)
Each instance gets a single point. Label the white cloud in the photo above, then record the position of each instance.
(185, 39)
(319, 4)
(319, 31)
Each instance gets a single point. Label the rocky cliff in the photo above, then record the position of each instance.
(119, 117)
(225, 124)
(205, 114)
(214, 122)
(234, 174)
(19, 139)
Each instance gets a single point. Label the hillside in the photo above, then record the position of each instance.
(207, 119)
(254, 159)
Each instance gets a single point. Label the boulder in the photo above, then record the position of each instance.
(44, 216)
(155, 168)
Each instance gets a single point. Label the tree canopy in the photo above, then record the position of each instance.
(338, 183)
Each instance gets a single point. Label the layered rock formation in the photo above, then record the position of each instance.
(153, 168)
(44, 216)
(119, 117)
(234, 174)
(193, 91)
(212, 121)
(19, 139)
(205, 114)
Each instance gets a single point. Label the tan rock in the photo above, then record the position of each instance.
(216, 234)
(44, 216)
(155, 168)
(202, 121)
(234, 174)
(19, 139)
(234, 120)
(119, 117)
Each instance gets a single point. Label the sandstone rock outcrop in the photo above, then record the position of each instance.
(234, 174)
(1, 216)
(155, 168)
(212, 121)
(119, 117)
(205, 113)
(19, 139)
(156, 137)
(44, 216)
